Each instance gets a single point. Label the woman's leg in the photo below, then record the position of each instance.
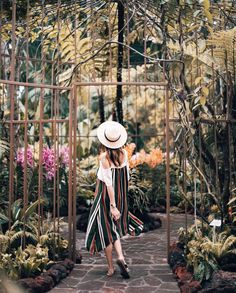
(108, 252)
(124, 271)
(118, 249)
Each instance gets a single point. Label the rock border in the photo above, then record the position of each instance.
(49, 279)
(220, 281)
(178, 263)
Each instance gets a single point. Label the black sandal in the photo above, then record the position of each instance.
(124, 270)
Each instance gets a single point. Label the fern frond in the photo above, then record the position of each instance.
(229, 242)
(4, 146)
(3, 238)
(20, 234)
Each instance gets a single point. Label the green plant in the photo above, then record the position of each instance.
(19, 214)
(86, 182)
(200, 260)
(220, 245)
(206, 249)
(31, 261)
(232, 206)
(25, 263)
(48, 244)
(24, 230)
(23, 222)
(154, 180)
(137, 194)
(8, 265)
(51, 238)
(198, 230)
(4, 147)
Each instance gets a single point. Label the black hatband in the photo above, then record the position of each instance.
(110, 139)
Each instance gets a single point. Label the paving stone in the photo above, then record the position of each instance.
(159, 271)
(71, 282)
(86, 291)
(91, 285)
(167, 278)
(115, 285)
(78, 273)
(137, 283)
(59, 290)
(141, 261)
(112, 290)
(145, 289)
(152, 281)
(64, 285)
(169, 286)
(138, 273)
(167, 291)
(146, 257)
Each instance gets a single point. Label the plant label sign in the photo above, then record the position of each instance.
(215, 223)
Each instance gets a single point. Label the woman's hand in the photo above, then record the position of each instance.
(115, 213)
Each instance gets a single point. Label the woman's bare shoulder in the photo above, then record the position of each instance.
(104, 161)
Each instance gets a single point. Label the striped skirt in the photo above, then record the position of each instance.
(102, 229)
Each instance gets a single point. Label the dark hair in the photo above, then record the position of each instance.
(114, 156)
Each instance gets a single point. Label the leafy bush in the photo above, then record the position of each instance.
(42, 246)
(137, 194)
(206, 249)
(148, 187)
(25, 263)
(200, 260)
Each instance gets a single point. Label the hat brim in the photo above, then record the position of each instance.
(120, 129)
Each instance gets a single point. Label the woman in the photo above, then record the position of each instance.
(109, 218)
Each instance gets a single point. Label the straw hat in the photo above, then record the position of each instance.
(112, 134)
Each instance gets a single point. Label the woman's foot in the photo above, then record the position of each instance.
(124, 270)
(110, 272)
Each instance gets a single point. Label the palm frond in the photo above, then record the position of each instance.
(19, 236)
(4, 146)
(16, 209)
(3, 219)
(32, 208)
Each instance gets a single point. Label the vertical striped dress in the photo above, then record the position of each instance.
(102, 229)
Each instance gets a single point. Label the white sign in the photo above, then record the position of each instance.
(215, 223)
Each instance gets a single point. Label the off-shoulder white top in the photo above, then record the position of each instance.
(105, 174)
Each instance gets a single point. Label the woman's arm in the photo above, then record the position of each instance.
(106, 168)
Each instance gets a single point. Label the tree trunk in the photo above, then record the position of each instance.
(119, 95)
(101, 108)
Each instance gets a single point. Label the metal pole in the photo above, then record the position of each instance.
(70, 190)
(167, 132)
(74, 172)
(12, 111)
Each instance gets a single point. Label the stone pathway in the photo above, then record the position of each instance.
(147, 259)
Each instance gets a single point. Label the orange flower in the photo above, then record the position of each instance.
(152, 160)
(130, 149)
(155, 158)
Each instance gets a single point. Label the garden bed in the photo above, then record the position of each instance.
(49, 279)
(220, 281)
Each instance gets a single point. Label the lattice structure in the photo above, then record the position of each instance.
(66, 66)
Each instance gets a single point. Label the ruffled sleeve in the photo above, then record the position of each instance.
(106, 175)
(127, 163)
